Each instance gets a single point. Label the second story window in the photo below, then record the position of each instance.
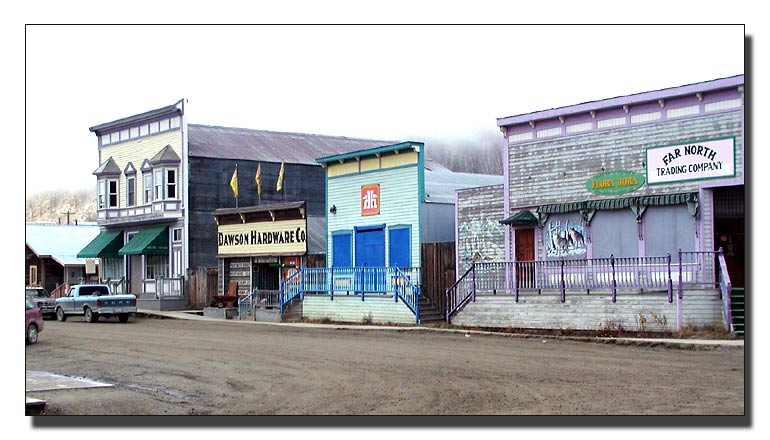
(170, 183)
(112, 193)
(131, 191)
(101, 191)
(158, 181)
(147, 185)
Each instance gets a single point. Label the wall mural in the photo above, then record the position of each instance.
(564, 239)
(478, 241)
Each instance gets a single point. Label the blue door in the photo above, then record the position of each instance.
(370, 253)
(342, 250)
(400, 247)
(370, 247)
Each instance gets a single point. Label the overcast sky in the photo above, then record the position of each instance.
(381, 82)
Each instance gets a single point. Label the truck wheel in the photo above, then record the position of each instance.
(60, 314)
(123, 318)
(91, 316)
(32, 334)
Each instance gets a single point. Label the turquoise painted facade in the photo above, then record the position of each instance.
(399, 172)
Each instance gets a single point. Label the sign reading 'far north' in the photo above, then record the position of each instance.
(692, 161)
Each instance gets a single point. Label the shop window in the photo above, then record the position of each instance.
(32, 276)
(667, 229)
(156, 267)
(399, 247)
(614, 233)
(112, 268)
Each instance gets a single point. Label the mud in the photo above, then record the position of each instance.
(173, 367)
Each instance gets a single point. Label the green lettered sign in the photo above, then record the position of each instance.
(614, 183)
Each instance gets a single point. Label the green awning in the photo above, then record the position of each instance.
(521, 218)
(149, 241)
(106, 244)
(620, 203)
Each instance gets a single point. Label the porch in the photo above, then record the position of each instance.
(657, 293)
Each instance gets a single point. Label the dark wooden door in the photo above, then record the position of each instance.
(525, 253)
(525, 244)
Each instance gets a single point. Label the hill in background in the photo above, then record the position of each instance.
(481, 153)
(53, 206)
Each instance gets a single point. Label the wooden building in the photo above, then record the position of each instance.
(51, 255)
(647, 178)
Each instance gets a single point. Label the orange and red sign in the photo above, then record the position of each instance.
(370, 199)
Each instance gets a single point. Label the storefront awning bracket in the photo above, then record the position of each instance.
(302, 212)
(243, 217)
(272, 215)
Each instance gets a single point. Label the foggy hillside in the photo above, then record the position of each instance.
(481, 154)
(52, 206)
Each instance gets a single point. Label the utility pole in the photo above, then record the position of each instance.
(68, 215)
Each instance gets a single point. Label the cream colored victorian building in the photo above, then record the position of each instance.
(140, 205)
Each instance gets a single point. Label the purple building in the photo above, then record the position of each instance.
(608, 197)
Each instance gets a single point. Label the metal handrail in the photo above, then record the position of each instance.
(294, 285)
(453, 304)
(725, 291)
(411, 294)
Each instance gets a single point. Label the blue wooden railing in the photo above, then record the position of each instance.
(403, 283)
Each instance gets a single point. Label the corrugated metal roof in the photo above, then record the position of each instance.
(316, 234)
(441, 183)
(271, 146)
(60, 242)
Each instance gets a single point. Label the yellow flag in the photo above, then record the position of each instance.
(234, 181)
(258, 179)
(279, 185)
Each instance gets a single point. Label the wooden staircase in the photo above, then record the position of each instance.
(429, 313)
(738, 309)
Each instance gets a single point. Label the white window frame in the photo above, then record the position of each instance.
(130, 190)
(176, 235)
(101, 194)
(157, 181)
(111, 195)
(147, 186)
(169, 194)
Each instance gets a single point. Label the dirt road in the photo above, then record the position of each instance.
(164, 367)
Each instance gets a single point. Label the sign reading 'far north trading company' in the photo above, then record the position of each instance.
(692, 161)
(614, 183)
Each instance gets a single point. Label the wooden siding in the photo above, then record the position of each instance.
(136, 151)
(210, 190)
(399, 160)
(339, 169)
(634, 312)
(438, 272)
(479, 211)
(555, 171)
(391, 160)
(399, 205)
(383, 309)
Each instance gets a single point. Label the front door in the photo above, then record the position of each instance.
(370, 253)
(524, 250)
(135, 275)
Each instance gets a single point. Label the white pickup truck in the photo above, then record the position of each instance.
(93, 301)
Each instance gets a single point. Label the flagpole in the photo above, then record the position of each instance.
(236, 184)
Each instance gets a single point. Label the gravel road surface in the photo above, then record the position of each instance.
(169, 367)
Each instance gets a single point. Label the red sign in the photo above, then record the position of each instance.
(370, 199)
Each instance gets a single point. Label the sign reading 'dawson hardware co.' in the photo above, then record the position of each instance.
(263, 238)
(692, 161)
(614, 183)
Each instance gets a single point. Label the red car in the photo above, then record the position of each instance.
(33, 322)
